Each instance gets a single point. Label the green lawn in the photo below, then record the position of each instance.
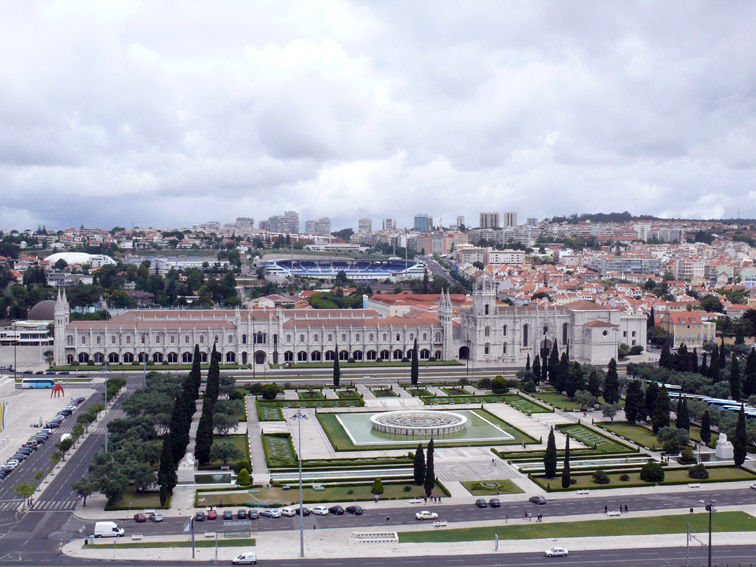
(239, 441)
(384, 393)
(695, 435)
(279, 452)
(557, 400)
(725, 522)
(593, 439)
(675, 476)
(348, 394)
(267, 411)
(310, 395)
(456, 391)
(525, 405)
(491, 487)
(641, 435)
(442, 400)
(418, 392)
(136, 501)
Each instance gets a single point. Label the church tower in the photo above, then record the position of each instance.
(445, 317)
(62, 315)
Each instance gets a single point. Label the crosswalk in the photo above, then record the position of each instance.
(39, 506)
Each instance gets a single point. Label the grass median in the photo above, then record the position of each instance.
(247, 542)
(724, 522)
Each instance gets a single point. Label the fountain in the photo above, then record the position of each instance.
(418, 422)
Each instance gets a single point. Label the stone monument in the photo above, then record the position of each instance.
(724, 448)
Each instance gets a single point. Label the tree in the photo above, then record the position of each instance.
(213, 378)
(711, 304)
(243, 478)
(269, 391)
(665, 358)
(564, 372)
(224, 422)
(419, 465)
(196, 372)
(204, 440)
(660, 416)
(430, 471)
(652, 392)
(585, 399)
(683, 417)
(415, 368)
(610, 410)
(499, 385)
(574, 380)
(336, 369)
(706, 427)
(24, 490)
(537, 368)
(652, 472)
(167, 478)
(594, 383)
(566, 469)
(377, 486)
(740, 441)
(143, 476)
(749, 384)
(550, 457)
(714, 366)
(85, 488)
(734, 378)
(527, 363)
(554, 365)
(611, 384)
(651, 317)
(635, 406)
(224, 453)
(722, 354)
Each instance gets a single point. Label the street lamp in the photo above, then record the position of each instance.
(710, 509)
(299, 417)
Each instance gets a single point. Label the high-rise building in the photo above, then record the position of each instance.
(532, 221)
(245, 223)
(291, 222)
(365, 225)
(323, 226)
(389, 224)
(310, 227)
(423, 222)
(510, 218)
(489, 220)
(460, 221)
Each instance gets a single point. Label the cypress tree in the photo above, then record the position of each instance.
(430, 472)
(704, 368)
(204, 441)
(419, 465)
(167, 470)
(734, 378)
(650, 320)
(554, 365)
(196, 372)
(740, 441)
(527, 363)
(594, 384)
(694, 360)
(415, 367)
(611, 384)
(660, 417)
(550, 457)
(678, 410)
(652, 392)
(722, 354)
(635, 403)
(665, 358)
(336, 369)
(706, 427)
(566, 469)
(564, 373)
(537, 369)
(177, 429)
(213, 379)
(714, 365)
(749, 384)
(684, 416)
(544, 366)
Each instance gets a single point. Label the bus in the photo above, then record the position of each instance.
(38, 383)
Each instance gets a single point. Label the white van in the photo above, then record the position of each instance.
(66, 436)
(247, 558)
(107, 529)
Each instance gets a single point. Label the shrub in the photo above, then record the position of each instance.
(687, 457)
(652, 472)
(407, 489)
(90, 362)
(243, 479)
(75, 363)
(350, 361)
(513, 383)
(377, 486)
(432, 359)
(573, 481)
(698, 472)
(484, 383)
(463, 381)
(269, 391)
(134, 363)
(624, 477)
(528, 387)
(242, 465)
(600, 477)
(671, 446)
(405, 359)
(499, 385)
(165, 363)
(637, 349)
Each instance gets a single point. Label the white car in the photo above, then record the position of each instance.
(426, 515)
(271, 513)
(556, 552)
(320, 510)
(288, 512)
(248, 558)
(753, 485)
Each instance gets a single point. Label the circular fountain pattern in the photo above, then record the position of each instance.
(418, 422)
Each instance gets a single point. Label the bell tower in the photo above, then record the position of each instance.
(62, 314)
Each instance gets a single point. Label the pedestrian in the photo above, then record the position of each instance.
(524, 515)
(530, 516)
(425, 499)
(493, 461)
(506, 518)
(606, 509)
(376, 499)
(439, 500)
(388, 519)
(625, 508)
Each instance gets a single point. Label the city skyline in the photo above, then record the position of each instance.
(137, 114)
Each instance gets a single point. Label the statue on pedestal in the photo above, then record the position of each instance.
(724, 448)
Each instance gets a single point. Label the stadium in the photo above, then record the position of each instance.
(357, 270)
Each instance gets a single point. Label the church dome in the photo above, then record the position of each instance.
(42, 311)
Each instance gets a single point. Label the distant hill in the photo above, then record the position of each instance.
(603, 217)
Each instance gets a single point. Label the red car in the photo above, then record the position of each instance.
(140, 518)
(212, 514)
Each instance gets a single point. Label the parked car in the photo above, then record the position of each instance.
(288, 512)
(155, 516)
(79, 400)
(336, 509)
(556, 552)
(140, 518)
(753, 485)
(494, 503)
(212, 514)
(354, 510)
(228, 515)
(426, 515)
(270, 513)
(246, 558)
(253, 514)
(481, 503)
(199, 516)
(320, 510)
(537, 500)
(305, 511)
(241, 514)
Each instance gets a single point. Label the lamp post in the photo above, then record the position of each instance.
(710, 509)
(299, 417)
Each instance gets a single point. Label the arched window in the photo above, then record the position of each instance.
(545, 329)
(144, 339)
(112, 340)
(398, 337)
(487, 332)
(330, 338)
(315, 356)
(288, 339)
(113, 358)
(487, 348)
(384, 355)
(98, 358)
(186, 357)
(424, 354)
(384, 337)
(437, 355)
(504, 331)
(186, 339)
(315, 338)
(412, 336)
(343, 338)
(504, 349)
(301, 356)
(370, 355)
(425, 336)
(128, 358)
(357, 337)
(288, 356)
(438, 337)
(83, 340)
(157, 339)
(98, 340)
(157, 357)
(244, 339)
(128, 340)
(69, 340)
(372, 338)
(202, 339)
(343, 355)
(486, 309)
(330, 355)
(524, 335)
(564, 333)
(172, 357)
(301, 338)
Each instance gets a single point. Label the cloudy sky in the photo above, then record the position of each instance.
(173, 113)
